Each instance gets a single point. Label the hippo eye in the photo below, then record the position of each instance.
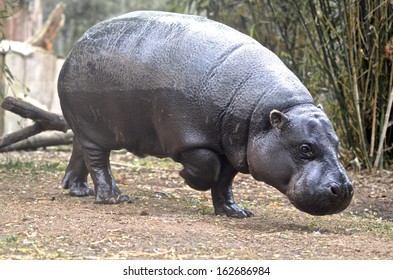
(306, 150)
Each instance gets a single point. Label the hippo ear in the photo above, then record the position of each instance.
(320, 106)
(278, 119)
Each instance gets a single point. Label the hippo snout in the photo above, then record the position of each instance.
(340, 196)
(327, 199)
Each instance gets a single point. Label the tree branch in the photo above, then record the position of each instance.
(44, 120)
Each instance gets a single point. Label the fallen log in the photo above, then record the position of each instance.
(47, 120)
(42, 140)
(44, 121)
(20, 135)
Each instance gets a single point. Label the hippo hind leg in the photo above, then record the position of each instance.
(98, 165)
(75, 178)
(203, 170)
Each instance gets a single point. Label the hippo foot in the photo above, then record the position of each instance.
(232, 210)
(80, 189)
(113, 199)
(67, 180)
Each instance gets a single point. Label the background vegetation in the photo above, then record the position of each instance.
(7, 9)
(341, 50)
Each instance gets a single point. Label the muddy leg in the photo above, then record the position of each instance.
(75, 178)
(97, 162)
(203, 170)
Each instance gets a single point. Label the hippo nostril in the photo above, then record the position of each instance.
(344, 191)
(335, 190)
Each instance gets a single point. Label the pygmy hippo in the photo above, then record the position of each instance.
(205, 95)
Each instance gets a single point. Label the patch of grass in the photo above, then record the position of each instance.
(8, 240)
(10, 164)
(50, 167)
(148, 163)
(203, 205)
(362, 223)
(34, 166)
(382, 228)
(8, 244)
(18, 247)
(191, 201)
(313, 225)
(275, 198)
(247, 204)
(153, 163)
(205, 210)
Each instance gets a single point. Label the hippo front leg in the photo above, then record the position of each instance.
(223, 201)
(203, 170)
(97, 162)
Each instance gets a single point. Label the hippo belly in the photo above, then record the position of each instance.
(145, 123)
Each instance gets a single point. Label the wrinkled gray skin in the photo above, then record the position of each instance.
(205, 95)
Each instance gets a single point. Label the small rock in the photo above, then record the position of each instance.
(144, 213)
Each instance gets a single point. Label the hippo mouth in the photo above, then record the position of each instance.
(321, 200)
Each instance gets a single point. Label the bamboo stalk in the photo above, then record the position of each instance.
(374, 122)
(373, 102)
(352, 25)
(384, 129)
(357, 108)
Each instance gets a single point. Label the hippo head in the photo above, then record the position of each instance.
(298, 156)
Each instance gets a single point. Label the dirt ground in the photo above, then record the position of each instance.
(168, 220)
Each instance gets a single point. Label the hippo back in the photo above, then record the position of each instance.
(188, 81)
